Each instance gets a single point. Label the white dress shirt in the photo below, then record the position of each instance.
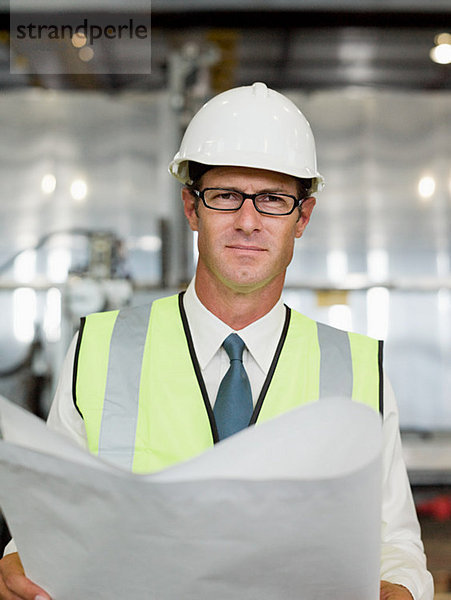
(403, 559)
(209, 332)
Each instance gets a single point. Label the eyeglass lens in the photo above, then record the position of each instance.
(222, 199)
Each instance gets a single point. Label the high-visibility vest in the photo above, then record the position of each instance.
(139, 388)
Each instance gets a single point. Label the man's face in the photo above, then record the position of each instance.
(245, 250)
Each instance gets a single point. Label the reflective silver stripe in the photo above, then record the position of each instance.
(121, 403)
(335, 377)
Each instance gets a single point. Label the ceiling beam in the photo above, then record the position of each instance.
(186, 6)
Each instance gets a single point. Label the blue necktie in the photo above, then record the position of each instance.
(233, 407)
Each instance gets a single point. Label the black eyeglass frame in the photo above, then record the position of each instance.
(200, 194)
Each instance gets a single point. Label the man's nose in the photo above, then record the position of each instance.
(247, 218)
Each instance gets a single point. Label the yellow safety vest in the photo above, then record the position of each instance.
(139, 388)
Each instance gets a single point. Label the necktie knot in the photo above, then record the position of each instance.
(234, 346)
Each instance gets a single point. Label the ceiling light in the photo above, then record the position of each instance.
(79, 40)
(86, 54)
(79, 189)
(48, 184)
(442, 38)
(441, 54)
(426, 187)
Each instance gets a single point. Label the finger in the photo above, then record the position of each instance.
(14, 585)
(9, 565)
(24, 589)
(5, 594)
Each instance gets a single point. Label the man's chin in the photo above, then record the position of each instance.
(245, 281)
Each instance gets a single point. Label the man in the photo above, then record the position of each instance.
(228, 348)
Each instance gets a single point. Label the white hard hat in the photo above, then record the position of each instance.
(250, 126)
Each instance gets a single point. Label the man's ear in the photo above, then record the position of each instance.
(189, 207)
(306, 212)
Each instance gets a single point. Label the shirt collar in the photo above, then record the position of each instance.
(208, 332)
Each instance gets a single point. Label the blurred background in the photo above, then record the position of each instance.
(91, 220)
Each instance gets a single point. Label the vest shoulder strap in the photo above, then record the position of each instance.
(318, 361)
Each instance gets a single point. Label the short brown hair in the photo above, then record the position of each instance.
(197, 170)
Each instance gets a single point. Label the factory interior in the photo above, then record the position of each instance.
(92, 221)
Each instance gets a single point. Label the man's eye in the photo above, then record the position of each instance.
(227, 196)
(270, 198)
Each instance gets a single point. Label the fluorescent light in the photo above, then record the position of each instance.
(24, 314)
(444, 310)
(195, 247)
(337, 265)
(25, 266)
(149, 243)
(58, 264)
(443, 265)
(52, 317)
(444, 305)
(377, 265)
(339, 315)
(377, 309)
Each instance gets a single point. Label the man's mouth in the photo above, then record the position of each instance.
(246, 247)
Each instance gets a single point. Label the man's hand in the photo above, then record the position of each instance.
(13, 583)
(393, 591)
